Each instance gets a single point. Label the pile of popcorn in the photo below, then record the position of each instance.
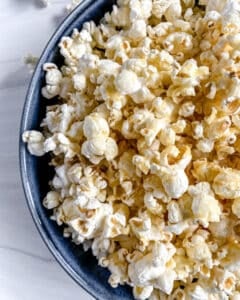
(144, 142)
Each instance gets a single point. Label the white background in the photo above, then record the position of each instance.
(28, 271)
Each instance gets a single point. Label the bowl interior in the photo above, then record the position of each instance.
(82, 266)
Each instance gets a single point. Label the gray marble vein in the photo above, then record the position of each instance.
(24, 252)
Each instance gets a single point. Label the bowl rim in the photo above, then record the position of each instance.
(58, 33)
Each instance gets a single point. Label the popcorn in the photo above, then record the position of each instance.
(111, 149)
(75, 173)
(226, 184)
(94, 125)
(52, 200)
(225, 280)
(187, 109)
(143, 136)
(142, 163)
(165, 282)
(178, 42)
(151, 266)
(95, 149)
(177, 228)
(199, 293)
(197, 130)
(89, 227)
(60, 180)
(236, 296)
(204, 206)
(138, 30)
(53, 75)
(142, 293)
(53, 81)
(170, 9)
(159, 8)
(108, 67)
(152, 204)
(174, 212)
(127, 82)
(205, 145)
(167, 136)
(59, 143)
(174, 181)
(236, 207)
(35, 142)
(142, 95)
(140, 9)
(198, 250)
(79, 82)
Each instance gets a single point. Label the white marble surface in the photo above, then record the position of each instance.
(28, 271)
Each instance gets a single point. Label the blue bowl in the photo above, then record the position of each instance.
(35, 172)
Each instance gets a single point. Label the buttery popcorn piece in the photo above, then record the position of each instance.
(35, 141)
(127, 82)
(204, 205)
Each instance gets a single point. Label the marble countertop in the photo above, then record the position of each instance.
(28, 271)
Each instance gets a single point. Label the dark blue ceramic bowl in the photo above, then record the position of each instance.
(35, 172)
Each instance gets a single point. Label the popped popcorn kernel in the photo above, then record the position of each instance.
(127, 82)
